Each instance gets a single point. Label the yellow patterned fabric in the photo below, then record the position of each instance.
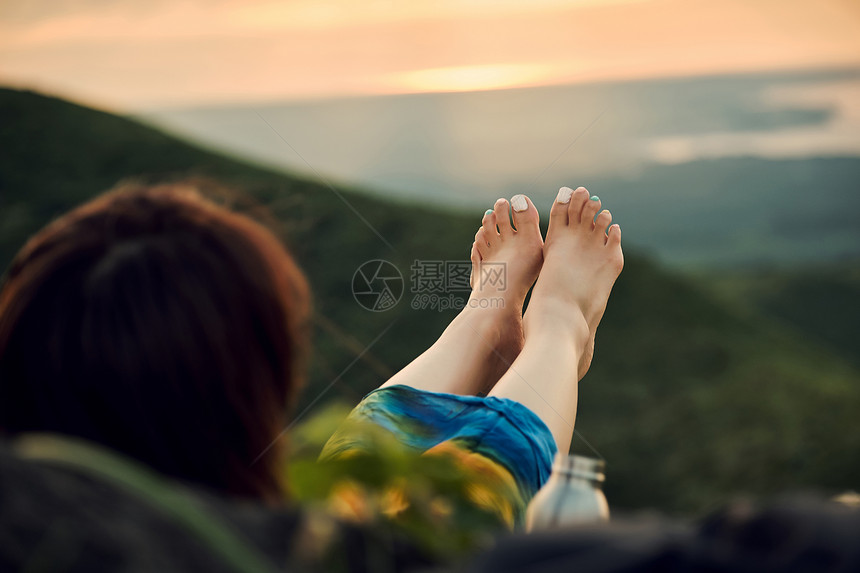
(501, 443)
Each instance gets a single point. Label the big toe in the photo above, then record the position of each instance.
(525, 215)
(558, 212)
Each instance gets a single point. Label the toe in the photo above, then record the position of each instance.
(525, 214)
(488, 224)
(613, 243)
(589, 210)
(503, 217)
(578, 200)
(558, 212)
(475, 257)
(601, 223)
(613, 238)
(481, 242)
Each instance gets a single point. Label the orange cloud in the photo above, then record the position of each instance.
(139, 54)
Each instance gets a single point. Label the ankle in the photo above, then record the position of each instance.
(497, 324)
(560, 326)
(489, 312)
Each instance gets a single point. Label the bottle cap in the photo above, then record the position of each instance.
(582, 467)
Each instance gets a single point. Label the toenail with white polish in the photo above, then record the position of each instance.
(564, 195)
(519, 203)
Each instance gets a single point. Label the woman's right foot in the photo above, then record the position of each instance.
(581, 262)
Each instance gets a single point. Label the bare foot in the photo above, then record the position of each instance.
(581, 262)
(506, 260)
(485, 338)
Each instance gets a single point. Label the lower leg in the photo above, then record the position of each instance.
(469, 357)
(543, 378)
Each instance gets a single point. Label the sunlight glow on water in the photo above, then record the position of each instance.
(838, 136)
(469, 78)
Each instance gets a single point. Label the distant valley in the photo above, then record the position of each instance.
(701, 172)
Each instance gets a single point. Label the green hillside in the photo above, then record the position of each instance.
(819, 302)
(690, 400)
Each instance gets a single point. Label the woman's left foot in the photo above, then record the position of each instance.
(506, 260)
(483, 340)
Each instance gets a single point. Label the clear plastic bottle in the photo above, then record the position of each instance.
(572, 495)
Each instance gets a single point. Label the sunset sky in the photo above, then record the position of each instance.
(137, 55)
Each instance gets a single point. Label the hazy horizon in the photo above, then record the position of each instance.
(489, 138)
(697, 145)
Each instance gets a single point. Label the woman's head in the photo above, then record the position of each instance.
(160, 324)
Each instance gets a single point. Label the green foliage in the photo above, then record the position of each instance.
(428, 497)
(692, 397)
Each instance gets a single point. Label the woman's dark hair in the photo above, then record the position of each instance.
(160, 324)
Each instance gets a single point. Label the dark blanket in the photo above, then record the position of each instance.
(55, 516)
(59, 515)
